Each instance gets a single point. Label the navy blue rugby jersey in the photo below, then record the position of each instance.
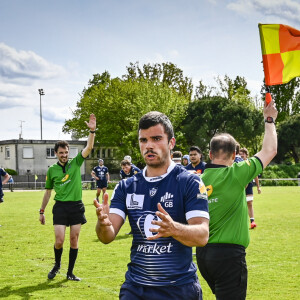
(199, 168)
(101, 172)
(238, 159)
(164, 261)
(134, 170)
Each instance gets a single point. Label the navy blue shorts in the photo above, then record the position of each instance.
(249, 189)
(190, 291)
(68, 213)
(101, 184)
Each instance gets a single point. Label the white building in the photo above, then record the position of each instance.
(35, 156)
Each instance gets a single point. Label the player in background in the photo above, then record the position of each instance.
(168, 213)
(185, 160)
(128, 157)
(196, 163)
(65, 178)
(222, 262)
(238, 158)
(249, 190)
(128, 169)
(177, 157)
(5, 180)
(101, 175)
(6, 176)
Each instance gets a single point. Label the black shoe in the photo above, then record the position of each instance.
(73, 277)
(1, 200)
(53, 272)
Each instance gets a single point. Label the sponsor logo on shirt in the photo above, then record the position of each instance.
(156, 178)
(65, 182)
(134, 201)
(152, 192)
(209, 190)
(214, 200)
(65, 178)
(167, 200)
(155, 248)
(144, 224)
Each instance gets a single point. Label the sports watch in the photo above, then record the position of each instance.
(269, 120)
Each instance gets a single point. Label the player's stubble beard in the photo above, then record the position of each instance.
(160, 162)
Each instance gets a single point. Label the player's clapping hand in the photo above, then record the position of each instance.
(102, 211)
(167, 227)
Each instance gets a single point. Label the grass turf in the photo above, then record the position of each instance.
(26, 251)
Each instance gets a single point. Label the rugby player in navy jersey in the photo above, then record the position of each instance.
(238, 158)
(196, 164)
(168, 213)
(128, 169)
(101, 174)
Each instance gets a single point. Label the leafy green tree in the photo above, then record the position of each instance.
(118, 105)
(286, 97)
(167, 73)
(289, 139)
(212, 115)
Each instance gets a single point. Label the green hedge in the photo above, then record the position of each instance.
(280, 171)
(11, 171)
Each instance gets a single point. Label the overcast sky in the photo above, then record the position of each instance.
(58, 45)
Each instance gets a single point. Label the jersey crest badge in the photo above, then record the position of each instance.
(152, 192)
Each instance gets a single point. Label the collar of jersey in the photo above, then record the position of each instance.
(160, 177)
(213, 166)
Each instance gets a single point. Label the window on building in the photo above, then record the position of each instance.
(102, 153)
(50, 153)
(27, 152)
(7, 152)
(73, 152)
(98, 153)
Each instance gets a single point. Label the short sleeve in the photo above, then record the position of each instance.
(49, 183)
(247, 170)
(118, 201)
(196, 204)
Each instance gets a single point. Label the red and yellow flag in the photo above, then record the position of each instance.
(280, 47)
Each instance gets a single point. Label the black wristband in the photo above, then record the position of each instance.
(269, 120)
(92, 131)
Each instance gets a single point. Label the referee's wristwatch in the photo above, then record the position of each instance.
(269, 120)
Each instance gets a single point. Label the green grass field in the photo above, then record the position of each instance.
(26, 251)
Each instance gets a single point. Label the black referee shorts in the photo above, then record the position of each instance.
(224, 268)
(68, 213)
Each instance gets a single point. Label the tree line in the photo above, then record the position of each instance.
(197, 112)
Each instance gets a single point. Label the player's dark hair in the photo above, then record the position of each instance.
(177, 154)
(195, 148)
(154, 118)
(223, 144)
(62, 144)
(125, 162)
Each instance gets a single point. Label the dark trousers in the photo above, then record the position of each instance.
(224, 268)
